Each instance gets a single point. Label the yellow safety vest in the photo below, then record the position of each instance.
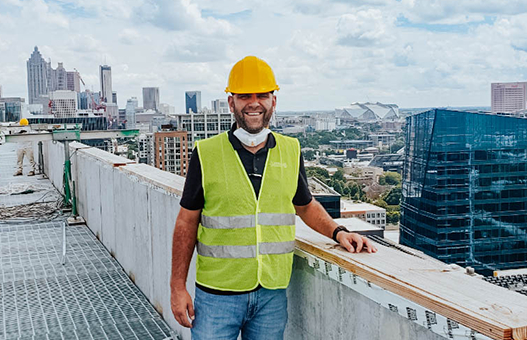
(244, 241)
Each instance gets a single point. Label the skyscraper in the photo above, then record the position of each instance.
(220, 106)
(58, 80)
(465, 190)
(151, 98)
(37, 76)
(508, 97)
(105, 76)
(131, 107)
(73, 82)
(114, 97)
(193, 101)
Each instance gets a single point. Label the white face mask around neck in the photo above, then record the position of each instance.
(251, 139)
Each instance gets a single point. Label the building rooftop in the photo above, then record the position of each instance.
(347, 205)
(398, 293)
(317, 187)
(87, 297)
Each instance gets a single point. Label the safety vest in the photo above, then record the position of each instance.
(244, 241)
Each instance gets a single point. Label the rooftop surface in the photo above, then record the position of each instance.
(89, 297)
(350, 206)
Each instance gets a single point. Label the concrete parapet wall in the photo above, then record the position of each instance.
(132, 208)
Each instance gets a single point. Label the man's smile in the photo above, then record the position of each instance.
(253, 113)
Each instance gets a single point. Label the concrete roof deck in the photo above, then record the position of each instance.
(413, 290)
(89, 297)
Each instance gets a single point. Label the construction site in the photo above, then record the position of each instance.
(101, 270)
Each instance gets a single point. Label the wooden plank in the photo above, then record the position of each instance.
(474, 303)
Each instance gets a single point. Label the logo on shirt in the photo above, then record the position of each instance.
(279, 165)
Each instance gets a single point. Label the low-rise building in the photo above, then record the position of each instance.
(382, 140)
(364, 211)
(202, 125)
(63, 103)
(362, 174)
(389, 162)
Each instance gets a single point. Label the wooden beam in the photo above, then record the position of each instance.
(486, 308)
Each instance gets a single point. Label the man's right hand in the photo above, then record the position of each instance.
(182, 307)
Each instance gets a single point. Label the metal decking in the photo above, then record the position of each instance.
(90, 297)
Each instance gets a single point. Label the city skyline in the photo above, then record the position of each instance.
(325, 54)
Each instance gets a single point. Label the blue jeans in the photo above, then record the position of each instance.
(259, 315)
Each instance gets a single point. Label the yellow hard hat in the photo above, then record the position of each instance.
(24, 122)
(251, 75)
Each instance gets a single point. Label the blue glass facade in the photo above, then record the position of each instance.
(88, 123)
(11, 112)
(193, 101)
(465, 189)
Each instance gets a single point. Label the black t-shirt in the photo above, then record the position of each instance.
(254, 164)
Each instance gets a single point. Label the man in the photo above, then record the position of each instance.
(238, 208)
(25, 149)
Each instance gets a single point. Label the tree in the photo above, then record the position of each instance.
(339, 175)
(394, 196)
(309, 155)
(337, 185)
(355, 191)
(390, 178)
(314, 170)
(381, 203)
(393, 217)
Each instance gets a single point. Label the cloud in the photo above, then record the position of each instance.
(84, 43)
(364, 28)
(180, 15)
(130, 36)
(403, 56)
(195, 49)
(40, 11)
(458, 12)
(324, 52)
(4, 44)
(323, 7)
(310, 44)
(120, 9)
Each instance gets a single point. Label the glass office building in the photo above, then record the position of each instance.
(465, 189)
(193, 101)
(86, 123)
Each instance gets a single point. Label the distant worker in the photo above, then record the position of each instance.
(25, 149)
(238, 208)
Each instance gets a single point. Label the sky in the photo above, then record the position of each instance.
(324, 53)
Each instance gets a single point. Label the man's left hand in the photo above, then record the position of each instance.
(354, 243)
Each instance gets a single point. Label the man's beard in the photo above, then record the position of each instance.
(240, 120)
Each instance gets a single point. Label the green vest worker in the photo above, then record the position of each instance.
(238, 208)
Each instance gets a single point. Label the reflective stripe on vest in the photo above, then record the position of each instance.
(228, 222)
(276, 219)
(243, 252)
(277, 248)
(247, 221)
